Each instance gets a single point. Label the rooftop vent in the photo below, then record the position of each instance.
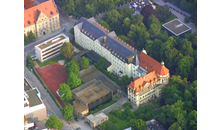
(51, 12)
(177, 26)
(29, 22)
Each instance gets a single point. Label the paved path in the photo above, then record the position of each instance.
(114, 106)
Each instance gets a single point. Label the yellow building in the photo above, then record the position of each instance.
(41, 19)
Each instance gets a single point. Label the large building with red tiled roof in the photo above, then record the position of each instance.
(41, 18)
(151, 76)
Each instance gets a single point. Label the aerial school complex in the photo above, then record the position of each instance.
(149, 75)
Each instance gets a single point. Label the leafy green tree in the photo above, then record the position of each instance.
(124, 38)
(65, 92)
(31, 35)
(72, 66)
(186, 47)
(163, 13)
(137, 19)
(192, 120)
(30, 62)
(137, 124)
(126, 25)
(101, 63)
(108, 125)
(90, 10)
(171, 94)
(73, 80)
(68, 112)
(85, 62)
(25, 38)
(54, 122)
(126, 12)
(68, 7)
(180, 83)
(175, 126)
(124, 81)
(147, 11)
(185, 66)
(187, 95)
(67, 50)
(104, 24)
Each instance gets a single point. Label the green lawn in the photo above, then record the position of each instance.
(122, 124)
(51, 61)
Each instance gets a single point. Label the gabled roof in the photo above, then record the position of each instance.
(31, 14)
(29, 3)
(113, 43)
(148, 63)
(138, 83)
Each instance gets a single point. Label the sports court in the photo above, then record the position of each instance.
(53, 75)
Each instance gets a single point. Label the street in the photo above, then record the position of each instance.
(65, 23)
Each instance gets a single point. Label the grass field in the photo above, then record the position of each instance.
(51, 61)
(99, 108)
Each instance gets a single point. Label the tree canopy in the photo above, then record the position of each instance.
(137, 124)
(67, 50)
(72, 66)
(84, 62)
(54, 122)
(31, 35)
(73, 80)
(30, 62)
(25, 38)
(68, 112)
(65, 92)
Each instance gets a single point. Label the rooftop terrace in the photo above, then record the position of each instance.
(52, 41)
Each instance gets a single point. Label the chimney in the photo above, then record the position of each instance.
(105, 39)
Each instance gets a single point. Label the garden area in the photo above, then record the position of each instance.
(122, 118)
(51, 61)
(103, 106)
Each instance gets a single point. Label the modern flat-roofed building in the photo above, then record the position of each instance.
(176, 27)
(34, 107)
(50, 48)
(95, 120)
(89, 96)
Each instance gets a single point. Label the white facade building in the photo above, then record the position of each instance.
(149, 75)
(34, 107)
(50, 48)
(92, 36)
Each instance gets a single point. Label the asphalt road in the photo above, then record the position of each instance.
(66, 23)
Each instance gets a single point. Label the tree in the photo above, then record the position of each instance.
(124, 81)
(175, 126)
(180, 83)
(72, 66)
(54, 122)
(186, 47)
(171, 94)
(30, 62)
(185, 67)
(73, 80)
(192, 120)
(68, 112)
(105, 24)
(90, 10)
(85, 62)
(124, 38)
(67, 50)
(108, 125)
(147, 11)
(126, 25)
(31, 35)
(65, 92)
(25, 38)
(101, 63)
(68, 7)
(163, 13)
(137, 124)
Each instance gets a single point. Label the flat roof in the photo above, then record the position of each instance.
(97, 117)
(52, 41)
(176, 27)
(92, 93)
(33, 98)
(79, 107)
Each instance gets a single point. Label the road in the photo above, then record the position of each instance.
(65, 23)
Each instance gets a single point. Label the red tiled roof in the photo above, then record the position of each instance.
(138, 84)
(31, 14)
(150, 64)
(29, 3)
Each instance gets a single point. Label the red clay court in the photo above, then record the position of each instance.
(53, 75)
